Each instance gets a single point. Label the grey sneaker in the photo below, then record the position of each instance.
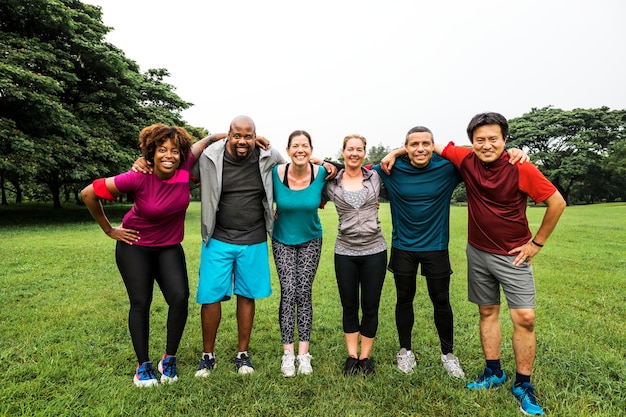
(406, 360)
(304, 364)
(452, 365)
(288, 364)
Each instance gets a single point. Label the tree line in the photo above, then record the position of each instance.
(72, 104)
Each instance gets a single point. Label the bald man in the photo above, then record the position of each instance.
(237, 215)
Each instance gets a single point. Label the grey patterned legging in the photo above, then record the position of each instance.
(296, 267)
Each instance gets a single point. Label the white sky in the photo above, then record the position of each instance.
(377, 68)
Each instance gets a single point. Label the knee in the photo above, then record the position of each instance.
(405, 298)
(489, 312)
(441, 300)
(525, 320)
(178, 299)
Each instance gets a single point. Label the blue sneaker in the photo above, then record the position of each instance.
(206, 366)
(243, 364)
(487, 380)
(525, 397)
(167, 367)
(145, 376)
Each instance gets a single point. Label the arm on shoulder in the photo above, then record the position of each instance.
(387, 163)
(198, 147)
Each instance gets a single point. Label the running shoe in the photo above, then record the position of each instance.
(145, 376)
(525, 397)
(243, 364)
(167, 367)
(288, 364)
(406, 360)
(351, 367)
(452, 366)
(206, 366)
(487, 380)
(304, 364)
(367, 366)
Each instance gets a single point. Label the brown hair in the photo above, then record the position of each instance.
(298, 133)
(157, 134)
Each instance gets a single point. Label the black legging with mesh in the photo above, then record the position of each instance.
(140, 267)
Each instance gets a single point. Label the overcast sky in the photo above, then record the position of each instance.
(377, 68)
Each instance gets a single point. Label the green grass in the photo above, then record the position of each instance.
(65, 348)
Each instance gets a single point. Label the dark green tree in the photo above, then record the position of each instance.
(571, 147)
(71, 104)
(376, 153)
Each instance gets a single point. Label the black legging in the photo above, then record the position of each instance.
(140, 266)
(368, 273)
(438, 290)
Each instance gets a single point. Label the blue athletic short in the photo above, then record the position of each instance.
(226, 268)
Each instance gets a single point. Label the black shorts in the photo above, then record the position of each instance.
(434, 264)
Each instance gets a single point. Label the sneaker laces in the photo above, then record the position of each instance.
(404, 360)
(452, 364)
(169, 365)
(145, 371)
(288, 360)
(529, 392)
(243, 360)
(487, 373)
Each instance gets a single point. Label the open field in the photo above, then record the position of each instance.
(65, 348)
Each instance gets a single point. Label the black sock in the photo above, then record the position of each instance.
(494, 365)
(520, 379)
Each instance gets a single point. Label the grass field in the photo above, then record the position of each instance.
(65, 348)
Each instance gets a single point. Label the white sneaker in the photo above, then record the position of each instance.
(288, 364)
(406, 360)
(304, 364)
(452, 365)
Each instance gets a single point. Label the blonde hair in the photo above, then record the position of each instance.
(354, 136)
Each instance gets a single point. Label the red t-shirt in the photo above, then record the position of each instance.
(497, 194)
(160, 205)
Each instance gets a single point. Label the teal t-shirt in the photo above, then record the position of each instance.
(420, 203)
(297, 219)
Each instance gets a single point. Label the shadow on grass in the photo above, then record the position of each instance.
(19, 215)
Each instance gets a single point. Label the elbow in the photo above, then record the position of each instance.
(86, 193)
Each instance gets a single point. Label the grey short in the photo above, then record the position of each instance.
(486, 272)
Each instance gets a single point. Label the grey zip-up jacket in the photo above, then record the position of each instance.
(211, 165)
(359, 228)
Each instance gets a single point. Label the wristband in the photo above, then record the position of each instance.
(536, 244)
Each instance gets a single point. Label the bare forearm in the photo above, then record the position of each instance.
(205, 142)
(555, 207)
(94, 205)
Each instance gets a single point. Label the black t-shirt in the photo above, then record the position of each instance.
(240, 215)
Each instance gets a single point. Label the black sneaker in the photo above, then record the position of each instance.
(351, 367)
(367, 366)
(243, 364)
(206, 366)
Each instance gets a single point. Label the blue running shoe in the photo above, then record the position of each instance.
(206, 366)
(167, 367)
(145, 376)
(525, 397)
(487, 380)
(243, 364)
